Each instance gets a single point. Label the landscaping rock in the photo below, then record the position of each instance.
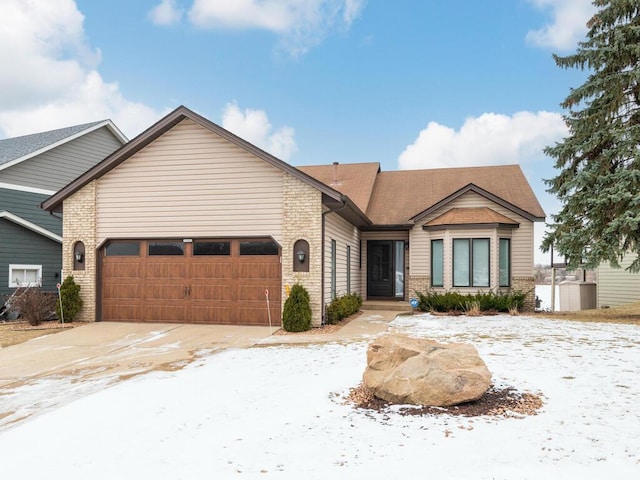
(407, 370)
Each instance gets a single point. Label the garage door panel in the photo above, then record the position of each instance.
(163, 291)
(217, 313)
(165, 270)
(211, 270)
(208, 292)
(259, 271)
(127, 269)
(122, 291)
(121, 312)
(169, 313)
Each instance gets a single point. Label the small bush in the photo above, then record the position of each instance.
(296, 315)
(470, 303)
(33, 304)
(71, 300)
(342, 307)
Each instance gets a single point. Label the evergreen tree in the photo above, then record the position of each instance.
(599, 160)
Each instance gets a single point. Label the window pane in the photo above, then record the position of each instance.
(258, 247)
(212, 248)
(481, 262)
(30, 276)
(333, 269)
(437, 263)
(348, 269)
(166, 248)
(460, 262)
(399, 264)
(123, 249)
(505, 267)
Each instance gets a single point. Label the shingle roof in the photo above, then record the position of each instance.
(355, 180)
(17, 147)
(399, 196)
(466, 216)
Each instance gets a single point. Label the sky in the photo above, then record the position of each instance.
(288, 418)
(409, 84)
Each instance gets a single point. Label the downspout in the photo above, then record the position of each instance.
(322, 255)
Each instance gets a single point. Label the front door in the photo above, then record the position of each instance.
(385, 269)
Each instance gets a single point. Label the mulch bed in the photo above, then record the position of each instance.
(324, 329)
(21, 325)
(496, 402)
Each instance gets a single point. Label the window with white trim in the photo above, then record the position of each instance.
(25, 276)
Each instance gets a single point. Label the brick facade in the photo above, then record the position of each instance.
(302, 219)
(79, 224)
(418, 283)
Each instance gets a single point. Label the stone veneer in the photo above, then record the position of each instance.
(302, 219)
(526, 285)
(79, 224)
(420, 283)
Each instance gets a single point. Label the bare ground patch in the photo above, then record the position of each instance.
(14, 332)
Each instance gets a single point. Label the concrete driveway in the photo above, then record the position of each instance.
(99, 355)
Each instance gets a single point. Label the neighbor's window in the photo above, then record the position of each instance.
(258, 247)
(166, 248)
(471, 262)
(211, 248)
(25, 276)
(437, 263)
(505, 262)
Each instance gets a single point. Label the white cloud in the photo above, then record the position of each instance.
(49, 77)
(254, 126)
(490, 139)
(167, 12)
(301, 24)
(569, 24)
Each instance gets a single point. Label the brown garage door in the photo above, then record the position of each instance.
(203, 281)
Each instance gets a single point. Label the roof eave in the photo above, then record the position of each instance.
(30, 226)
(470, 226)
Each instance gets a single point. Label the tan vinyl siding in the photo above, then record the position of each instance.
(340, 230)
(190, 182)
(57, 167)
(616, 286)
(521, 241)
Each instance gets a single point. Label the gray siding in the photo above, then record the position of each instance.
(26, 205)
(616, 286)
(19, 245)
(56, 168)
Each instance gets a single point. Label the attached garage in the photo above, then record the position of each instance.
(214, 281)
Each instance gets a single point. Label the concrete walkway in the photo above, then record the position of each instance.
(97, 355)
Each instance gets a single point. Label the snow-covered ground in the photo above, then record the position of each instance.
(279, 412)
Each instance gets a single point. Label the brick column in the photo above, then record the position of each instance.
(79, 224)
(302, 219)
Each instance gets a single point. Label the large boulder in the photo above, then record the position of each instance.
(407, 370)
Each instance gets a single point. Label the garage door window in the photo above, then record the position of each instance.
(212, 248)
(123, 249)
(166, 248)
(258, 247)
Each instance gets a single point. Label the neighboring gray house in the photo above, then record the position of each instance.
(32, 167)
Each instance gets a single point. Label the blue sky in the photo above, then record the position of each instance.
(407, 83)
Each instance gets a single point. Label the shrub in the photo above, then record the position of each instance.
(473, 303)
(342, 307)
(71, 300)
(33, 304)
(296, 315)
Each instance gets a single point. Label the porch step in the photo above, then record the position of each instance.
(390, 305)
